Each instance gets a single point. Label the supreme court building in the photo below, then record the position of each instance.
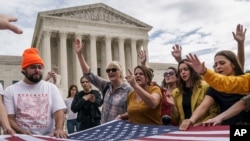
(107, 34)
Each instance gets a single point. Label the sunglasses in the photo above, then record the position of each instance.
(168, 74)
(111, 69)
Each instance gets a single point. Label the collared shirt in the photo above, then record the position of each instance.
(115, 101)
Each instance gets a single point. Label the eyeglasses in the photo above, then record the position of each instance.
(168, 74)
(36, 67)
(111, 69)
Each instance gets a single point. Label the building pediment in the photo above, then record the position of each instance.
(96, 13)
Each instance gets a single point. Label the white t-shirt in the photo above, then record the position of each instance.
(1, 89)
(70, 114)
(34, 105)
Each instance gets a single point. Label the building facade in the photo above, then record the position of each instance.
(107, 34)
(10, 70)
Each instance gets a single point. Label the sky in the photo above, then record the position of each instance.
(202, 27)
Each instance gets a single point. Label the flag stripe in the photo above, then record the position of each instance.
(176, 138)
(198, 135)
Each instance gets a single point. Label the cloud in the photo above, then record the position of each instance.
(203, 27)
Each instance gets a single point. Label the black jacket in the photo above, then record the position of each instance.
(87, 110)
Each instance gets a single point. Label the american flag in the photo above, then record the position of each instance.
(21, 137)
(119, 130)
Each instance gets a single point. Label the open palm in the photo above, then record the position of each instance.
(195, 63)
(240, 33)
(78, 46)
(176, 53)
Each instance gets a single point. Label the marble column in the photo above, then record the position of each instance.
(122, 54)
(108, 49)
(46, 52)
(128, 57)
(103, 62)
(93, 56)
(133, 53)
(145, 47)
(64, 61)
(78, 69)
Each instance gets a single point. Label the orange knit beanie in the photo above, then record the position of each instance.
(31, 56)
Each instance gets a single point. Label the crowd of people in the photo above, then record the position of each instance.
(190, 95)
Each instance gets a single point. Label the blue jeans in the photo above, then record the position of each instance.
(73, 125)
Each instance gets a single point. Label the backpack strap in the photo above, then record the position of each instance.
(105, 90)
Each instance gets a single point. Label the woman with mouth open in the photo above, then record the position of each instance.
(115, 90)
(225, 63)
(144, 103)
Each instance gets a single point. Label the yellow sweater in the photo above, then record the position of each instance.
(228, 84)
(139, 112)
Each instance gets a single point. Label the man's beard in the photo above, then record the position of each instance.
(32, 79)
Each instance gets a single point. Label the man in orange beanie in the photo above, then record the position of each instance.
(30, 57)
(35, 106)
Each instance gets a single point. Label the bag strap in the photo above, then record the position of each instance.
(105, 90)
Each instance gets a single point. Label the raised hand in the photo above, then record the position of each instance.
(143, 57)
(51, 74)
(239, 34)
(131, 78)
(5, 24)
(239, 37)
(194, 62)
(176, 53)
(78, 46)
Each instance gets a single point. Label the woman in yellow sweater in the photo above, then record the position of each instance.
(228, 84)
(144, 103)
(225, 63)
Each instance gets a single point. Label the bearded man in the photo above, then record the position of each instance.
(35, 106)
